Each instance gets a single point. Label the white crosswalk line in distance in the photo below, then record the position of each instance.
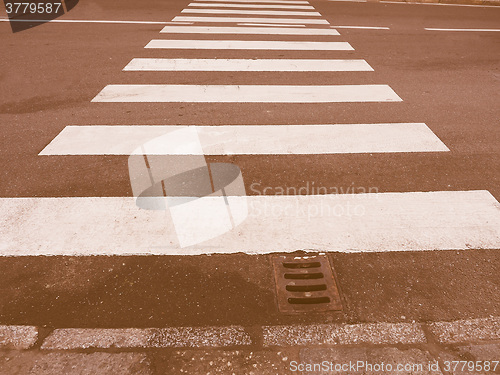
(249, 45)
(446, 220)
(125, 22)
(251, 65)
(478, 30)
(440, 4)
(260, 6)
(297, 2)
(255, 20)
(361, 27)
(250, 139)
(251, 12)
(246, 94)
(268, 24)
(246, 30)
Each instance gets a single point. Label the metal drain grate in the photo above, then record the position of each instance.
(305, 284)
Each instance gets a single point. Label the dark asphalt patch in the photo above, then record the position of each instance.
(238, 289)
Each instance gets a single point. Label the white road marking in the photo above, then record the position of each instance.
(250, 139)
(247, 30)
(260, 1)
(444, 4)
(270, 24)
(362, 27)
(260, 6)
(350, 1)
(257, 20)
(252, 12)
(479, 30)
(180, 20)
(246, 94)
(236, 65)
(446, 220)
(249, 44)
(99, 21)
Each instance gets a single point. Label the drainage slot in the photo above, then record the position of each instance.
(308, 301)
(305, 284)
(304, 276)
(305, 288)
(302, 265)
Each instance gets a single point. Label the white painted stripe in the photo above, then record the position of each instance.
(362, 27)
(259, 6)
(251, 139)
(246, 94)
(447, 220)
(249, 44)
(444, 4)
(236, 65)
(246, 30)
(270, 24)
(260, 1)
(479, 30)
(349, 1)
(98, 21)
(252, 12)
(245, 19)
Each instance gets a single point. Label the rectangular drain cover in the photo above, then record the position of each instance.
(305, 284)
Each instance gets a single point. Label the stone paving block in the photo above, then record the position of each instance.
(363, 360)
(344, 334)
(84, 338)
(17, 337)
(464, 331)
(485, 352)
(76, 338)
(39, 363)
(244, 362)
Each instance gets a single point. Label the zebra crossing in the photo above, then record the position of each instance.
(252, 139)
(236, 65)
(268, 30)
(247, 93)
(255, 12)
(409, 221)
(245, 19)
(248, 44)
(260, 6)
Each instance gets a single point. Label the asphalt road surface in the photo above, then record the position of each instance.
(409, 123)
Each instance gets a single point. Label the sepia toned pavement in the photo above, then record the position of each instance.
(395, 111)
(416, 348)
